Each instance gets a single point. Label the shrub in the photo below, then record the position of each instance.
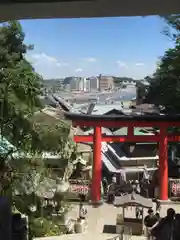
(42, 227)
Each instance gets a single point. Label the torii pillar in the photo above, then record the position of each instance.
(97, 167)
(163, 163)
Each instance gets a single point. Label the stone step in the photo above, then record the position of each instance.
(81, 236)
(90, 236)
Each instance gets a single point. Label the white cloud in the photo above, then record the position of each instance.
(43, 57)
(139, 64)
(91, 59)
(47, 66)
(121, 64)
(50, 66)
(79, 70)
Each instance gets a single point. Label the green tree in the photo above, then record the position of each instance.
(164, 87)
(141, 91)
(22, 161)
(172, 27)
(20, 87)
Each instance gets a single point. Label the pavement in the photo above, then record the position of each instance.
(103, 218)
(87, 236)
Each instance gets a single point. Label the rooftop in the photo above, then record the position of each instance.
(68, 9)
(145, 108)
(101, 109)
(168, 118)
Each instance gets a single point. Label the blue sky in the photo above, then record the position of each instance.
(85, 47)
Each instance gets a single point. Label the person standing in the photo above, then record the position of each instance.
(139, 212)
(111, 192)
(82, 211)
(105, 185)
(150, 220)
(166, 228)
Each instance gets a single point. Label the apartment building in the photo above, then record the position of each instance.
(78, 84)
(106, 82)
(94, 83)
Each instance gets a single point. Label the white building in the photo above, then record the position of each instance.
(88, 87)
(94, 83)
(78, 84)
(81, 84)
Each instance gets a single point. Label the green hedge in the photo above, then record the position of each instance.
(42, 227)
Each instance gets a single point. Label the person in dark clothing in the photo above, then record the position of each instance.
(105, 185)
(111, 193)
(82, 197)
(158, 216)
(19, 227)
(158, 205)
(165, 229)
(151, 219)
(177, 227)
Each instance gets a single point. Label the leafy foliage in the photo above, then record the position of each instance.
(22, 163)
(20, 87)
(141, 92)
(165, 84)
(41, 227)
(19, 90)
(172, 27)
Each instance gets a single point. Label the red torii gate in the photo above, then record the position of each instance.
(109, 121)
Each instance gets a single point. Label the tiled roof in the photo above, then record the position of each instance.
(101, 109)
